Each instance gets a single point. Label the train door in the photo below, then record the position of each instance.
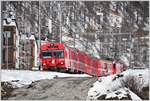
(94, 65)
(76, 59)
(67, 54)
(114, 68)
(104, 69)
(87, 63)
(109, 68)
(89, 69)
(79, 61)
(9, 47)
(73, 58)
(86, 60)
(99, 68)
(82, 62)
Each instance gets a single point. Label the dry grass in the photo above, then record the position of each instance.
(135, 84)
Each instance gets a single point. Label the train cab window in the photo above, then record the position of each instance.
(58, 54)
(47, 54)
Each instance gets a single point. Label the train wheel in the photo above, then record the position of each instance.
(75, 71)
(80, 72)
(58, 69)
(69, 70)
(62, 70)
(72, 71)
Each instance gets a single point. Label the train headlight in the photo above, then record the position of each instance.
(62, 62)
(53, 61)
(44, 64)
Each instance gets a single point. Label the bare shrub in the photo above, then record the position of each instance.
(144, 93)
(134, 83)
(6, 90)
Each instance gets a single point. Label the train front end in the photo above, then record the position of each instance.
(53, 56)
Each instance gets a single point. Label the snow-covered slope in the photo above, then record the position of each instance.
(23, 77)
(112, 86)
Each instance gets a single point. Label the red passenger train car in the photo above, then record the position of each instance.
(55, 56)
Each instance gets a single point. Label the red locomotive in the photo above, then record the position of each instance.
(56, 56)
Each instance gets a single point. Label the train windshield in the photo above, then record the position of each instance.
(59, 54)
(47, 54)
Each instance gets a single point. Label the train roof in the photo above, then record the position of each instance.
(52, 46)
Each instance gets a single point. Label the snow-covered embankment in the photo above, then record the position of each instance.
(118, 86)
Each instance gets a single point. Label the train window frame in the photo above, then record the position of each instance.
(44, 57)
(58, 51)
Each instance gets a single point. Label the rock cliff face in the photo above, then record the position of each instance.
(89, 20)
(87, 16)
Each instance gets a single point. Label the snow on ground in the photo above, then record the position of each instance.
(24, 77)
(111, 85)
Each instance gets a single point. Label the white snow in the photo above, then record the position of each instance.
(23, 77)
(125, 60)
(146, 28)
(100, 87)
(109, 86)
(141, 73)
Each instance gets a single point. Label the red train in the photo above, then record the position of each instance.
(56, 56)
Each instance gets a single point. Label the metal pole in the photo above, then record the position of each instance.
(1, 38)
(7, 49)
(99, 37)
(130, 51)
(60, 19)
(39, 49)
(60, 23)
(26, 45)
